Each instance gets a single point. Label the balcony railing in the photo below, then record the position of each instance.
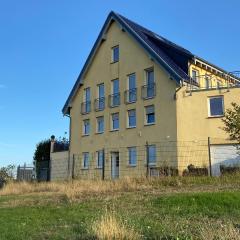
(114, 100)
(99, 104)
(86, 107)
(213, 81)
(148, 91)
(130, 95)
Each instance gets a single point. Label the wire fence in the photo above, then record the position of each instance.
(211, 157)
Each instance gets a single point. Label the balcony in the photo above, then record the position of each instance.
(114, 100)
(215, 81)
(130, 96)
(99, 104)
(86, 107)
(148, 91)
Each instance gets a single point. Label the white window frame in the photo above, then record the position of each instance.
(209, 107)
(113, 48)
(145, 115)
(155, 162)
(115, 129)
(97, 158)
(197, 75)
(83, 130)
(83, 160)
(128, 125)
(129, 163)
(97, 129)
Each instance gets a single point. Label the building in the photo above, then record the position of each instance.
(142, 102)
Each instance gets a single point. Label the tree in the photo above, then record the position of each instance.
(232, 122)
(6, 174)
(42, 156)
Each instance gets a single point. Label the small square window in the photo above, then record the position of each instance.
(115, 121)
(86, 127)
(150, 114)
(100, 157)
(100, 124)
(216, 106)
(85, 162)
(132, 156)
(115, 54)
(132, 118)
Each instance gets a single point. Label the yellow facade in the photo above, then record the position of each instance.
(180, 116)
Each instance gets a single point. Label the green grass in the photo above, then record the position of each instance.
(155, 215)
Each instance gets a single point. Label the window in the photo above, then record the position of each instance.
(100, 157)
(132, 156)
(132, 118)
(132, 91)
(150, 83)
(87, 100)
(86, 127)
(150, 114)
(101, 97)
(216, 106)
(115, 97)
(207, 82)
(115, 121)
(85, 162)
(151, 154)
(195, 75)
(100, 124)
(115, 54)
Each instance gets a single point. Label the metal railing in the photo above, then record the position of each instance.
(213, 81)
(99, 104)
(86, 107)
(130, 96)
(148, 91)
(114, 100)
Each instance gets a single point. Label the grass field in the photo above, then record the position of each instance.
(170, 208)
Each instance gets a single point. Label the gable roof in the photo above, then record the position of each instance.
(172, 57)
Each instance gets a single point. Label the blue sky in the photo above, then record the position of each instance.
(43, 46)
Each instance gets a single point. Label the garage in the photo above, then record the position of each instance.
(226, 155)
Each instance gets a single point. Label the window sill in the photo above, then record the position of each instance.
(98, 167)
(218, 116)
(85, 135)
(131, 127)
(147, 98)
(131, 165)
(84, 168)
(114, 62)
(97, 133)
(114, 130)
(149, 124)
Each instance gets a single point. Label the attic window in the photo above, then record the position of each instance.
(115, 54)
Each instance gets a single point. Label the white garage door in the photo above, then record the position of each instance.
(227, 155)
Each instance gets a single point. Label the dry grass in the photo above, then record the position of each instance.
(108, 227)
(220, 231)
(77, 189)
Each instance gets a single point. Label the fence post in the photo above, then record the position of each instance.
(147, 156)
(209, 157)
(73, 167)
(103, 165)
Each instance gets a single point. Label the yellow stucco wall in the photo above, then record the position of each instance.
(133, 59)
(195, 125)
(182, 126)
(213, 78)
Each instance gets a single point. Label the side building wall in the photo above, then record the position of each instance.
(195, 125)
